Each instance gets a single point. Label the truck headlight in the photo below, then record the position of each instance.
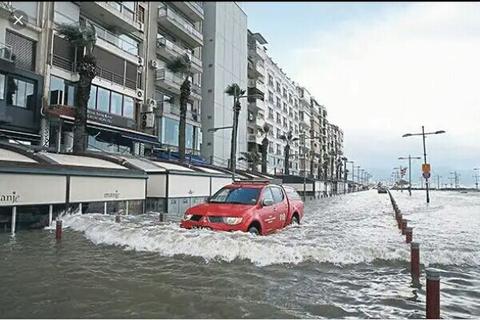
(232, 220)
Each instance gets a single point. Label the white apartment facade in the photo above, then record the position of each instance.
(279, 110)
(224, 63)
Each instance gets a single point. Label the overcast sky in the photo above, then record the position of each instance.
(385, 69)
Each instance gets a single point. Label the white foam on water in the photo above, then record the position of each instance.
(351, 230)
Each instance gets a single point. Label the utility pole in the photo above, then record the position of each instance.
(409, 171)
(438, 181)
(456, 179)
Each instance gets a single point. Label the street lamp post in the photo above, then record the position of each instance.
(423, 134)
(476, 177)
(409, 171)
(352, 162)
(303, 140)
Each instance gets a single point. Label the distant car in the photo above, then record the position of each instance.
(381, 189)
(255, 207)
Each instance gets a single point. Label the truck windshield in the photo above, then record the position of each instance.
(236, 196)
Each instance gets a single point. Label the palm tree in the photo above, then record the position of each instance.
(252, 158)
(289, 139)
(236, 92)
(266, 130)
(182, 65)
(83, 38)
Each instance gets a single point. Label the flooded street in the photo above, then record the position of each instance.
(346, 259)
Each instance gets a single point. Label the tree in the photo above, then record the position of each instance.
(83, 38)
(182, 65)
(236, 92)
(265, 142)
(289, 139)
(252, 158)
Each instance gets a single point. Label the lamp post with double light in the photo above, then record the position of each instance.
(425, 174)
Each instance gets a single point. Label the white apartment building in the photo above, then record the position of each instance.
(279, 111)
(224, 63)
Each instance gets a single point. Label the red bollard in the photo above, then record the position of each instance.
(433, 294)
(404, 225)
(58, 230)
(408, 234)
(415, 262)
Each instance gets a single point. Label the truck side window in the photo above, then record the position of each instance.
(277, 194)
(267, 194)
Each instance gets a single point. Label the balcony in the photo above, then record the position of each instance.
(191, 9)
(168, 49)
(196, 64)
(256, 138)
(168, 80)
(129, 46)
(111, 13)
(180, 27)
(196, 91)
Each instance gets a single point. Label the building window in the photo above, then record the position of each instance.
(128, 107)
(20, 93)
(61, 92)
(23, 48)
(2, 86)
(103, 100)
(170, 131)
(92, 101)
(116, 103)
(189, 136)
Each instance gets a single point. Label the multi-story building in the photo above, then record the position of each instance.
(334, 152)
(42, 65)
(224, 63)
(175, 29)
(279, 110)
(307, 138)
(22, 66)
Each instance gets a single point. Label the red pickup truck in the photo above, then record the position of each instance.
(255, 207)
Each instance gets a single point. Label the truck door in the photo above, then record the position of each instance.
(266, 212)
(280, 207)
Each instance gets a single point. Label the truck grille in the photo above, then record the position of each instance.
(215, 219)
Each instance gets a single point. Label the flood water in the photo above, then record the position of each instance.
(346, 259)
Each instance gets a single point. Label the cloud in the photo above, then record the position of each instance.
(382, 77)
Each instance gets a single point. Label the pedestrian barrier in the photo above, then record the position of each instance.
(58, 230)
(433, 277)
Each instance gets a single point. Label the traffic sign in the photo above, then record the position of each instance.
(426, 175)
(426, 167)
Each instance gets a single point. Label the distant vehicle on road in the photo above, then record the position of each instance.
(257, 207)
(381, 189)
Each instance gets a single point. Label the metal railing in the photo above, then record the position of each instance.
(115, 40)
(180, 22)
(165, 75)
(120, 8)
(195, 6)
(169, 45)
(63, 63)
